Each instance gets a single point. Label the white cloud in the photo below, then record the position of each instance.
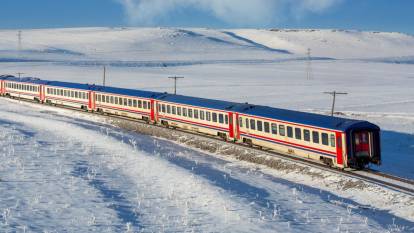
(233, 12)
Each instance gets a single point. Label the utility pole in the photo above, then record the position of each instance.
(175, 83)
(309, 65)
(104, 76)
(334, 93)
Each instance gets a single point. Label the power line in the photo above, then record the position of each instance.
(175, 83)
(334, 93)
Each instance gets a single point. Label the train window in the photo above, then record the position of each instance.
(54, 91)
(145, 105)
(214, 117)
(130, 102)
(168, 109)
(190, 113)
(201, 115)
(195, 113)
(325, 140)
(179, 111)
(260, 126)
(208, 116)
(140, 104)
(282, 130)
(149, 105)
(134, 103)
(184, 112)
(298, 133)
(174, 110)
(306, 135)
(65, 93)
(116, 100)
(108, 99)
(226, 119)
(247, 123)
(221, 118)
(163, 108)
(252, 124)
(274, 128)
(240, 122)
(267, 127)
(315, 136)
(289, 131)
(332, 140)
(77, 96)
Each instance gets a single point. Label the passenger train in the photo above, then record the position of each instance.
(335, 141)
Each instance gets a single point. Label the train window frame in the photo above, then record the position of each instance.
(247, 123)
(135, 103)
(174, 110)
(325, 139)
(184, 112)
(169, 109)
(202, 116)
(241, 122)
(125, 102)
(274, 128)
(195, 114)
(214, 117)
(163, 108)
(282, 130)
(208, 116)
(259, 125)
(190, 113)
(252, 124)
(226, 119)
(149, 105)
(298, 133)
(140, 104)
(306, 135)
(315, 137)
(179, 111)
(129, 102)
(289, 131)
(266, 127)
(144, 104)
(221, 118)
(332, 140)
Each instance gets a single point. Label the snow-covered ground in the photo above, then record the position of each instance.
(60, 173)
(96, 164)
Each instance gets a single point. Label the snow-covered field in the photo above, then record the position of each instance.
(62, 173)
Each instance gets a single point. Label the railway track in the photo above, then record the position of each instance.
(368, 175)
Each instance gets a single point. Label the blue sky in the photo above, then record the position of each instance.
(377, 15)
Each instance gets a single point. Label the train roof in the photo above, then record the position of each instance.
(128, 92)
(201, 102)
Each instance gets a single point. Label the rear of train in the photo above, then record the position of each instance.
(363, 145)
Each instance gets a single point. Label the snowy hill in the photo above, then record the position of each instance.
(155, 44)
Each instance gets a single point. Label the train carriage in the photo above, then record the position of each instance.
(26, 88)
(68, 94)
(125, 102)
(213, 117)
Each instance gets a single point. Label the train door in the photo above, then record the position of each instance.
(91, 102)
(237, 126)
(42, 93)
(362, 145)
(1, 87)
(231, 125)
(339, 149)
(153, 110)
